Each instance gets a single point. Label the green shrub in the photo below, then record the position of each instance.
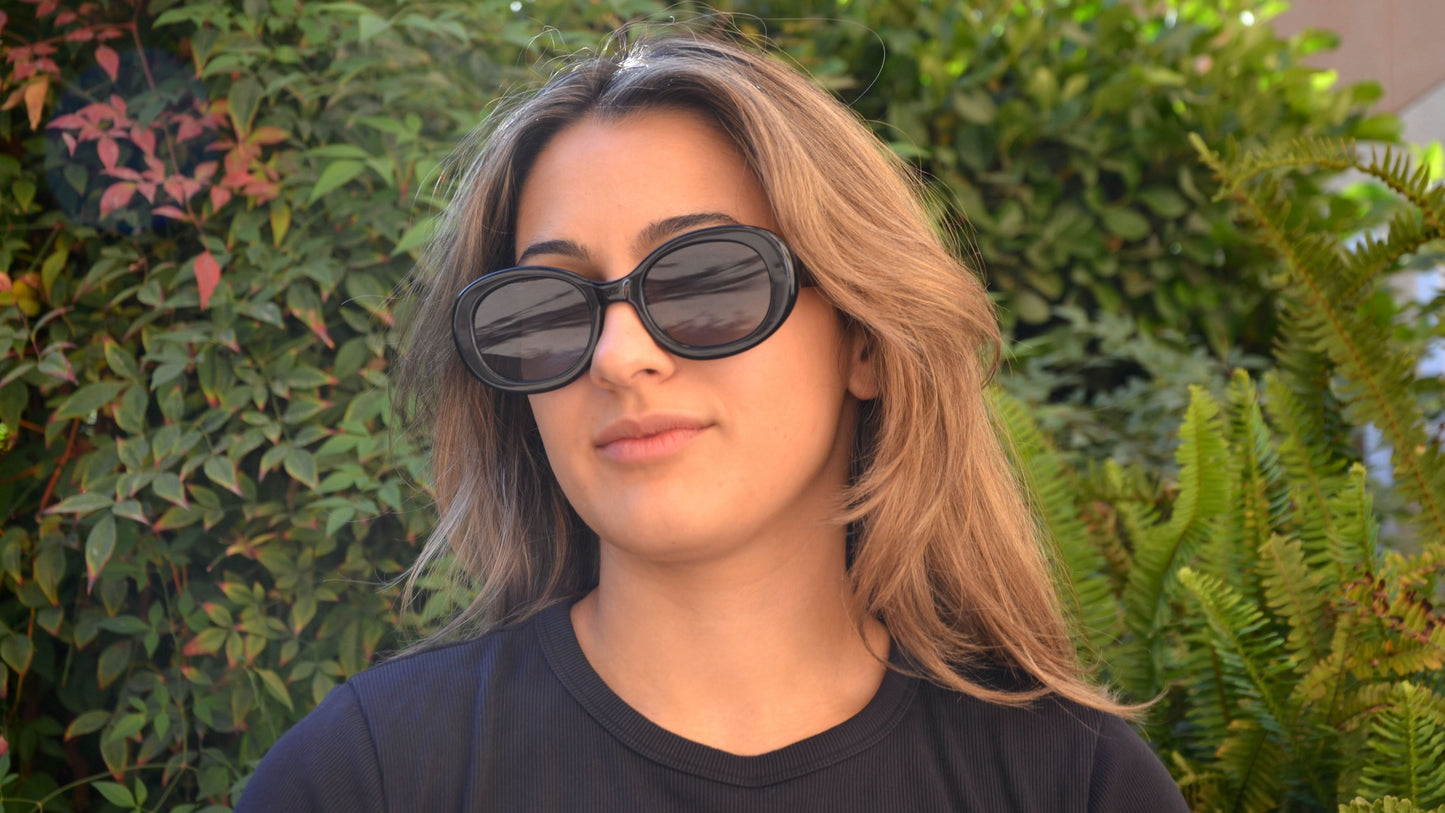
(201, 495)
(1060, 130)
(1299, 660)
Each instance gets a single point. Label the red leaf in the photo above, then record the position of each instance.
(109, 60)
(69, 142)
(116, 196)
(3, 18)
(69, 121)
(144, 138)
(109, 152)
(148, 190)
(219, 197)
(208, 276)
(188, 128)
(46, 8)
(123, 173)
(79, 34)
(170, 211)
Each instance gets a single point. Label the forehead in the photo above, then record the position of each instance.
(599, 182)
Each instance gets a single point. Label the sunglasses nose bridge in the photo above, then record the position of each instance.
(619, 290)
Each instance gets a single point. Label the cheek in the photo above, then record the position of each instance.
(557, 417)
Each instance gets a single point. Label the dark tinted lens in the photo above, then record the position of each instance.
(709, 294)
(532, 329)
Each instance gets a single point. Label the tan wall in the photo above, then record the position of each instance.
(1399, 43)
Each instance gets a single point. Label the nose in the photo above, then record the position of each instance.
(626, 353)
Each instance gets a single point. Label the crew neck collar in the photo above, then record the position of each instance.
(851, 737)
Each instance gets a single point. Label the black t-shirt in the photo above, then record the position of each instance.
(517, 720)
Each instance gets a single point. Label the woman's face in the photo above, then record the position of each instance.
(665, 458)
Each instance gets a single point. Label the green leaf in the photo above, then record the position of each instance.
(115, 793)
(130, 411)
(17, 652)
(81, 504)
(336, 174)
(280, 223)
(370, 25)
(223, 473)
(302, 467)
(244, 96)
(415, 237)
(1164, 202)
(1126, 223)
(121, 362)
(275, 687)
(98, 548)
(87, 723)
(338, 151)
(49, 570)
(112, 663)
(127, 726)
(88, 399)
(168, 487)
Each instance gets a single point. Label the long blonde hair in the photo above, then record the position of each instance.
(944, 548)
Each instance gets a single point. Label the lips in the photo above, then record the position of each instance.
(647, 437)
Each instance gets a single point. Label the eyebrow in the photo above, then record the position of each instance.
(646, 239)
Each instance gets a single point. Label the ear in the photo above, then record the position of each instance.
(862, 378)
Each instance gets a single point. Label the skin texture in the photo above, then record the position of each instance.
(721, 611)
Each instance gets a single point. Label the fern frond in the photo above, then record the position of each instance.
(1372, 257)
(1378, 375)
(1293, 591)
(1259, 504)
(1163, 549)
(1052, 486)
(1305, 453)
(1389, 804)
(1389, 165)
(1248, 650)
(1354, 543)
(1251, 759)
(1407, 740)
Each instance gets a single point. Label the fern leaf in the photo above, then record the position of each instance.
(1251, 759)
(1305, 453)
(1248, 651)
(1377, 374)
(1162, 550)
(1354, 543)
(1052, 488)
(1293, 590)
(1389, 804)
(1258, 506)
(1407, 740)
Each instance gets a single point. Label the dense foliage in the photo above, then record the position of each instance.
(204, 209)
(1300, 662)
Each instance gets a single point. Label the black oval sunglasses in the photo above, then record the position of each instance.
(705, 294)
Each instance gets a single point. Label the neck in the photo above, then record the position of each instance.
(748, 654)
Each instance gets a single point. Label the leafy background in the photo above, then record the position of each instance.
(205, 206)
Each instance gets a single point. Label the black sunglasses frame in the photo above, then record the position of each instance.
(783, 277)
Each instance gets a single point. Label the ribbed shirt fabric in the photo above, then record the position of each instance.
(517, 720)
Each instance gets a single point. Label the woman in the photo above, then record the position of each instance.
(705, 391)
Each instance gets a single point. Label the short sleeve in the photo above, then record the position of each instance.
(1127, 776)
(326, 762)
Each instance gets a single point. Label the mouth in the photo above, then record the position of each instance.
(646, 438)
